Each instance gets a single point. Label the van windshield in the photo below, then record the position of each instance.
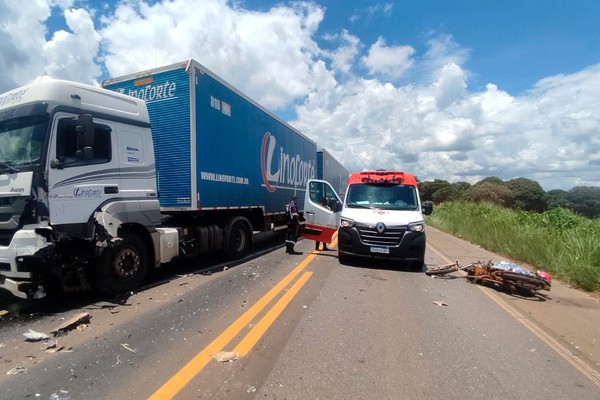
(382, 197)
(21, 140)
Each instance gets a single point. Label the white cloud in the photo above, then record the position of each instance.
(372, 11)
(438, 129)
(434, 125)
(22, 32)
(388, 61)
(344, 56)
(269, 55)
(71, 55)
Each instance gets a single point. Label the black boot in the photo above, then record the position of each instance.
(289, 247)
(292, 251)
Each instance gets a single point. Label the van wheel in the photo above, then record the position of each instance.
(343, 258)
(122, 268)
(238, 240)
(416, 266)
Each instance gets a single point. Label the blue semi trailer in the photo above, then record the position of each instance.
(215, 148)
(98, 186)
(331, 170)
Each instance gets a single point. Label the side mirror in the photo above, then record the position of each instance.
(56, 164)
(85, 131)
(338, 206)
(427, 207)
(85, 137)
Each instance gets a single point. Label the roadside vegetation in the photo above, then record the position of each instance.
(557, 231)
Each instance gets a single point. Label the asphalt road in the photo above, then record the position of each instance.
(306, 327)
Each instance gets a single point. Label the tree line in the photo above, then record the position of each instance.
(519, 193)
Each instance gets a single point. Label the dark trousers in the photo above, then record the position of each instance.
(291, 236)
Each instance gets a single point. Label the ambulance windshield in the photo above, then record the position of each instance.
(382, 196)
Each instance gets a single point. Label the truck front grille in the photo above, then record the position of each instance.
(390, 237)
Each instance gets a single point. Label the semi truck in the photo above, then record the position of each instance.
(98, 185)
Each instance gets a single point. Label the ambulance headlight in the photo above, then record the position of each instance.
(416, 226)
(346, 222)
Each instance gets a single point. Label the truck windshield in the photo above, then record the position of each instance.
(21, 141)
(382, 197)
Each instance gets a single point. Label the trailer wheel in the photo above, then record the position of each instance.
(238, 240)
(124, 268)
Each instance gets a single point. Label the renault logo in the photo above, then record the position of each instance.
(380, 227)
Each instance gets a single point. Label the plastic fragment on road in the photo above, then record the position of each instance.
(225, 356)
(440, 303)
(72, 323)
(61, 395)
(126, 347)
(17, 370)
(33, 336)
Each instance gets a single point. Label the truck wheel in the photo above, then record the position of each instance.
(238, 240)
(123, 268)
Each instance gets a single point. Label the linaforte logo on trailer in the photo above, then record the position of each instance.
(282, 169)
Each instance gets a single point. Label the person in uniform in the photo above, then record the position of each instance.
(293, 225)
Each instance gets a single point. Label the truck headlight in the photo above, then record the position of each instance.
(346, 222)
(416, 226)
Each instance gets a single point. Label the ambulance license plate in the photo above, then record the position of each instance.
(381, 250)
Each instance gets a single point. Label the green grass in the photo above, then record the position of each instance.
(557, 241)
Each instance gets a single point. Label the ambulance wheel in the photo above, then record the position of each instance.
(122, 268)
(343, 258)
(416, 266)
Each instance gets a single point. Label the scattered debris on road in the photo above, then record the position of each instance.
(33, 336)
(75, 322)
(440, 303)
(55, 348)
(17, 370)
(225, 356)
(126, 347)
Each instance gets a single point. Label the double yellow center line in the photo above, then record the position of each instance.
(195, 365)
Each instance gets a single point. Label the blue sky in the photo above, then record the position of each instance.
(456, 90)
